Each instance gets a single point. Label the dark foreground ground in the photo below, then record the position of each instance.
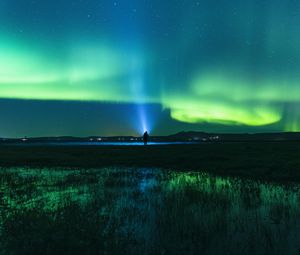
(150, 200)
(275, 161)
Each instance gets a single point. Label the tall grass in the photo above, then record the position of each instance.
(144, 211)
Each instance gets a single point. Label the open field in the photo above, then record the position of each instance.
(278, 161)
(144, 211)
(171, 199)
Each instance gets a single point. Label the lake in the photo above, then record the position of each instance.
(94, 143)
(144, 211)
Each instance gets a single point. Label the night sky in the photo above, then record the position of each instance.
(103, 67)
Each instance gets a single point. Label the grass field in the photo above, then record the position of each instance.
(144, 211)
(275, 161)
(211, 198)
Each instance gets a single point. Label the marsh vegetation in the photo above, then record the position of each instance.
(271, 161)
(144, 211)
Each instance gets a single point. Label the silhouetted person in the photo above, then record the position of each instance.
(145, 138)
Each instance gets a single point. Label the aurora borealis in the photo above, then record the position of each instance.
(68, 66)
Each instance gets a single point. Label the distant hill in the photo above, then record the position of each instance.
(193, 136)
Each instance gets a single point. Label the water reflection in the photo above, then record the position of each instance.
(104, 143)
(144, 211)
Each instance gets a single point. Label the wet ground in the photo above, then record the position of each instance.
(271, 161)
(144, 211)
(97, 143)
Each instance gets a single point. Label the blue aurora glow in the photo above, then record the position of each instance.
(102, 67)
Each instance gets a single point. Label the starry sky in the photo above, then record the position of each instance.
(104, 67)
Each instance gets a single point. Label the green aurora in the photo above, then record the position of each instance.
(233, 64)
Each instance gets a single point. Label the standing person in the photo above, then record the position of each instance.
(145, 138)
